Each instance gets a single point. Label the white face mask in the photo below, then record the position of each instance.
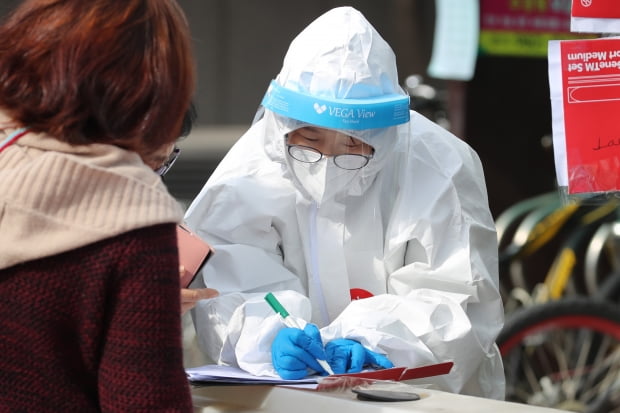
(322, 180)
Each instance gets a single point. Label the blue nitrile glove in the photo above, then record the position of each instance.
(349, 356)
(293, 351)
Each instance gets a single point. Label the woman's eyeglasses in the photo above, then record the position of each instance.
(349, 161)
(161, 171)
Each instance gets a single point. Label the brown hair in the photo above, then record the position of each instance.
(83, 71)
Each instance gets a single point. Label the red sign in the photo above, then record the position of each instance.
(591, 102)
(602, 9)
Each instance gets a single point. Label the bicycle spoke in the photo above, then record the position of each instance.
(603, 360)
(608, 383)
(582, 361)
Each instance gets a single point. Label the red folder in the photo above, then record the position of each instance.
(393, 374)
(427, 371)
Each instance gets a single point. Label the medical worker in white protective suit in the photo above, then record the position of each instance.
(363, 218)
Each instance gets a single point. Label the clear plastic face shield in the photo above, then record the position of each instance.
(330, 143)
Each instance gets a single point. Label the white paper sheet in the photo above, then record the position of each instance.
(227, 374)
(455, 45)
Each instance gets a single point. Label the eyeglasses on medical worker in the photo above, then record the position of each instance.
(172, 158)
(347, 161)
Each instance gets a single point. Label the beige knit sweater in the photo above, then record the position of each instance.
(55, 197)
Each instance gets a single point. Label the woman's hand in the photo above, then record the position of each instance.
(189, 297)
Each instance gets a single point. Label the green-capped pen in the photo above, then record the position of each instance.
(290, 322)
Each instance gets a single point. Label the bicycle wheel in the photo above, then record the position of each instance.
(564, 354)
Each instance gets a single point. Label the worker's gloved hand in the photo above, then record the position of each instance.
(293, 351)
(349, 356)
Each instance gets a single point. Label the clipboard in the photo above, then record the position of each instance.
(217, 374)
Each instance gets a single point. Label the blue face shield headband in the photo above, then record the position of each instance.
(355, 114)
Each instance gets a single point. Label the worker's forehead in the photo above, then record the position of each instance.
(316, 132)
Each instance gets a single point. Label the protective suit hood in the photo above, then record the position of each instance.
(340, 74)
(340, 55)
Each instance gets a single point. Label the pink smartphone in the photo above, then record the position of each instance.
(194, 252)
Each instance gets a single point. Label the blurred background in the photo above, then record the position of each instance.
(240, 45)
(503, 111)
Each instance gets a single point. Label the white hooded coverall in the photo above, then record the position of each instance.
(411, 230)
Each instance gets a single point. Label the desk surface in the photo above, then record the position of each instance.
(231, 399)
